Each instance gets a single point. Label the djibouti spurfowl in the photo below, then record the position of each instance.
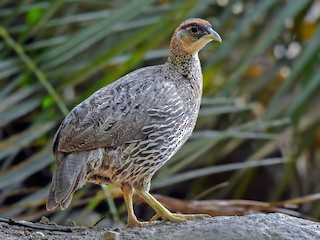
(124, 132)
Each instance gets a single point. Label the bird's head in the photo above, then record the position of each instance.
(193, 34)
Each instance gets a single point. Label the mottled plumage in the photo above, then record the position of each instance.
(127, 130)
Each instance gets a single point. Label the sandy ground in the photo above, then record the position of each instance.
(256, 226)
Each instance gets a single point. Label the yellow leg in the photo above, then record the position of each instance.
(164, 213)
(127, 195)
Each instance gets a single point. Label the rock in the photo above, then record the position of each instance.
(260, 226)
(256, 226)
(111, 235)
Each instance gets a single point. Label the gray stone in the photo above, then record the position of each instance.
(275, 226)
(256, 226)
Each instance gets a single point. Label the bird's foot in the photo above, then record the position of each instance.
(162, 212)
(177, 217)
(134, 222)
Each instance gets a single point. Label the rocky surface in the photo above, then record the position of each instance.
(256, 226)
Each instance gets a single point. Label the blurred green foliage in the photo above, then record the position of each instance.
(258, 128)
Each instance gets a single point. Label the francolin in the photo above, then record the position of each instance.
(124, 132)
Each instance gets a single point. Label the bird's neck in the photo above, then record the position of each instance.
(184, 63)
(181, 63)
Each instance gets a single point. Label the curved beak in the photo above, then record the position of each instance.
(213, 35)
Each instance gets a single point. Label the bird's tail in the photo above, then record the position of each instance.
(68, 177)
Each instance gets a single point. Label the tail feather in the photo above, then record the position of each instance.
(68, 177)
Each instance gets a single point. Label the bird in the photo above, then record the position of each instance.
(124, 132)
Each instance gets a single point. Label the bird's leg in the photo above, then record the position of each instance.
(164, 213)
(127, 195)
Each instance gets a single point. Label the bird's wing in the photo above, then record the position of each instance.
(113, 115)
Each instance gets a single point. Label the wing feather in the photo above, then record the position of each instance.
(113, 115)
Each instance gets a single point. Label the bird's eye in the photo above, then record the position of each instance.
(194, 29)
